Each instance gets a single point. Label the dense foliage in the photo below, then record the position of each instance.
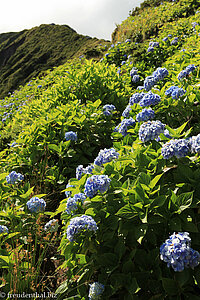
(99, 183)
(28, 53)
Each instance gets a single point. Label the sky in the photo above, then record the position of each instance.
(96, 18)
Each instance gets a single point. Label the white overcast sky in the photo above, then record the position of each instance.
(96, 18)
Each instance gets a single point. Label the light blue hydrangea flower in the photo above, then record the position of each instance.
(133, 71)
(71, 136)
(108, 109)
(105, 156)
(194, 143)
(3, 229)
(80, 170)
(176, 147)
(72, 202)
(136, 98)
(96, 290)
(150, 130)
(145, 115)
(68, 193)
(36, 205)
(135, 78)
(126, 112)
(175, 92)
(14, 177)
(96, 183)
(78, 225)
(51, 226)
(184, 73)
(177, 253)
(150, 99)
(123, 126)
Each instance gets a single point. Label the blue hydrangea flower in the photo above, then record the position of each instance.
(71, 136)
(96, 183)
(194, 144)
(123, 126)
(150, 49)
(175, 92)
(68, 193)
(149, 82)
(145, 115)
(108, 109)
(78, 225)
(14, 177)
(133, 71)
(165, 39)
(177, 147)
(36, 205)
(190, 69)
(123, 62)
(160, 74)
(150, 130)
(3, 229)
(194, 24)
(177, 253)
(135, 98)
(174, 41)
(126, 112)
(135, 78)
(127, 41)
(80, 171)
(95, 291)
(182, 74)
(72, 205)
(150, 99)
(51, 226)
(105, 156)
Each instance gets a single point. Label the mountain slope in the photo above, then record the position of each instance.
(25, 54)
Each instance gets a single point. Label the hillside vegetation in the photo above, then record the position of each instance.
(26, 54)
(99, 183)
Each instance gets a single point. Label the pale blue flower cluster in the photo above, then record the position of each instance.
(194, 24)
(133, 71)
(123, 126)
(194, 144)
(71, 136)
(150, 130)
(105, 156)
(3, 229)
(145, 115)
(96, 290)
(177, 253)
(176, 147)
(78, 225)
(126, 112)
(165, 39)
(152, 45)
(135, 98)
(80, 171)
(14, 177)
(149, 99)
(71, 204)
(108, 109)
(184, 73)
(51, 226)
(96, 183)
(175, 92)
(158, 74)
(68, 193)
(174, 41)
(36, 205)
(135, 78)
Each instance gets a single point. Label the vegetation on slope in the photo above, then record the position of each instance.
(25, 54)
(143, 192)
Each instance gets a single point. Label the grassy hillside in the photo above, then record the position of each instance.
(25, 54)
(104, 203)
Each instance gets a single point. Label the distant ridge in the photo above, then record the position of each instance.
(25, 54)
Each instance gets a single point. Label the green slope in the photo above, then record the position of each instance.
(154, 179)
(25, 54)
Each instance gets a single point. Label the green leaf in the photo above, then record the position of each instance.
(126, 212)
(54, 147)
(159, 201)
(170, 286)
(184, 201)
(27, 194)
